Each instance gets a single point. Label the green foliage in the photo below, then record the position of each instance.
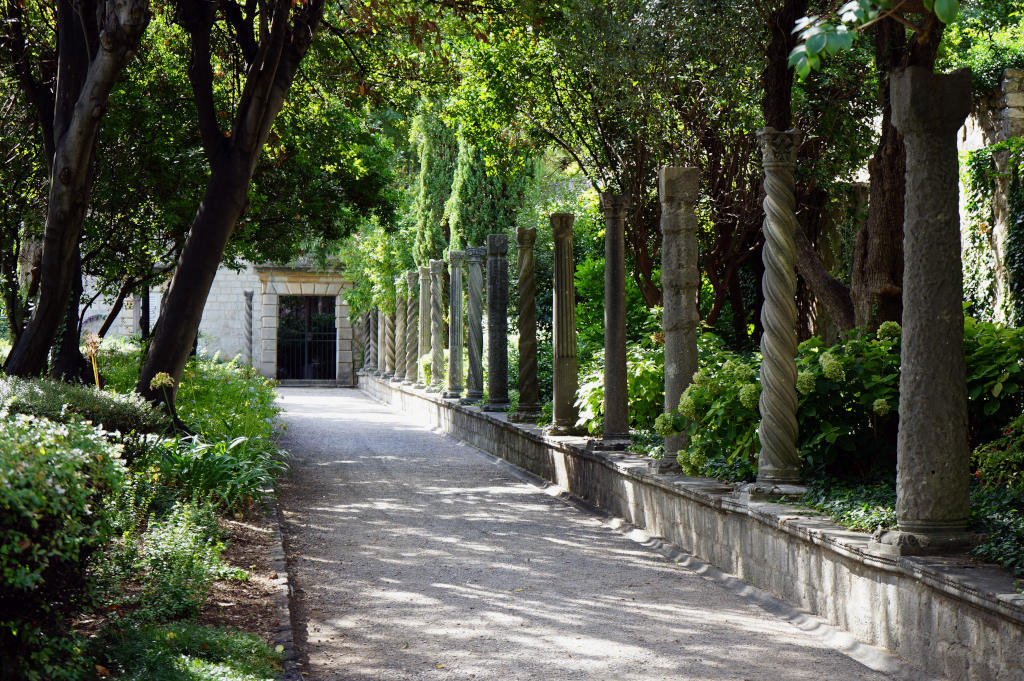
(437, 149)
(179, 559)
(645, 380)
(858, 506)
(184, 651)
(59, 401)
(988, 39)
(232, 475)
(998, 512)
(53, 478)
(994, 377)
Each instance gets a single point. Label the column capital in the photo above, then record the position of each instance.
(410, 278)
(497, 244)
(678, 184)
(526, 236)
(436, 267)
(424, 273)
(615, 205)
(779, 147)
(456, 258)
(561, 225)
(927, 102)
(476, 254)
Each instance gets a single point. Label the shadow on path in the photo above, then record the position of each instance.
(413, 557)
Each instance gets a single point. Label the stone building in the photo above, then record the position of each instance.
(291, 322)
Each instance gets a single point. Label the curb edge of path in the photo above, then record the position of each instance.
(283, 635)
(870, 656)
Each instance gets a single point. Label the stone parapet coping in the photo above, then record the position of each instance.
(947, 615)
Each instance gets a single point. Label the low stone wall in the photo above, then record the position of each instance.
(946, 616)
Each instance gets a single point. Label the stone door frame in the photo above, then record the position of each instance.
(286, 281)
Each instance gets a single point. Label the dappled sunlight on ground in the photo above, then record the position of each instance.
(413, 557)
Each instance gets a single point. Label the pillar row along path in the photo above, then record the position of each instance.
(414, 556)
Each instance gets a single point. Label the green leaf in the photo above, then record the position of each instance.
(946, 10)
(817, 42)
(997, 389)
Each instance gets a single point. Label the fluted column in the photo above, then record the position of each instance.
(399, 373)
(423, 344)
(412, 319)
(475, 345)
(497, 323)
(933, 456)
(454, 389)
(778, 462)
(528, 410)
(436, 330)
(616, 397)
(680, 278)
(565, 367)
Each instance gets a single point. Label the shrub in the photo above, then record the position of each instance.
(645, 386)
(58, 401)
(178, 560)
(52, 481)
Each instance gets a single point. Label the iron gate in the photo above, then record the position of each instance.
(307, 341)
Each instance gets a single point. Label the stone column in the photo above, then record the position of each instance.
(247, 325)
(389, 345)
(778, 463)
(616, 404)
(565, 365)
(423, 344)
(400, 357)
(528, 410)
(932, 461)
(367, 331)
(374, 344)
(475, 346)
(454, 390)
(680, 279)
(497, 323)
(412, 322)
(436, 322)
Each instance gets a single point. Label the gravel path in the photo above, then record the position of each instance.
(414, 556)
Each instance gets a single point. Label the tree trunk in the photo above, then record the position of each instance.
(91, 58)
(69, 363)
(777, 77)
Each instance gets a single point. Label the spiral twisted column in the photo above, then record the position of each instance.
(497, 323)
(528, 410)
(399, 373)
(778, 462)
(475, 346)
(565, 367)
(423, 344)
(374, 344)
(436, 323)
(365, 326)
(389, 345)
(455, 261)
(412, 320)
(680, 278)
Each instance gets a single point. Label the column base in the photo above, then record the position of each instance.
(667, 465)
(452, 394)
(901, 543)
(496, 406)
(609, 444)
(435, 388)
(471, 399)
(562, 430)
(408, 381)
(397, 379)
(768, 491)
(529, 416)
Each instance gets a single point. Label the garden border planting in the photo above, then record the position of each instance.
(946, 615)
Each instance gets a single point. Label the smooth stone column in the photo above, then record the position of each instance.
(454, 389)
(616, 397)
(399, 373)
(528, 410)
(565, 367)
(436, 322)
(497, 323)
(475, 345)
(423, 344)
(778, 464)
(680, 278)
(412, 319)
(933, 457)
(389, 345)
